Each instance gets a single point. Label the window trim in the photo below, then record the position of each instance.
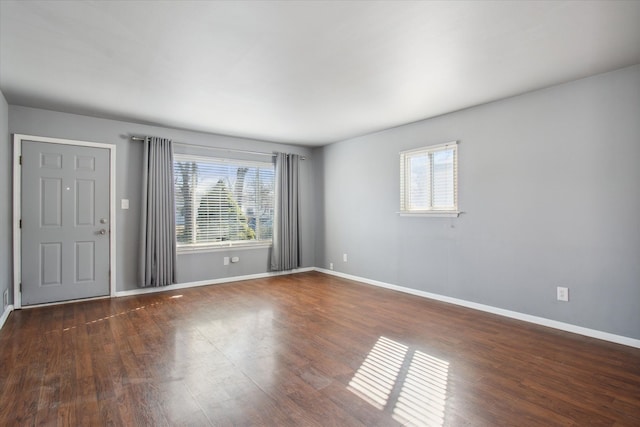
(186, 248)
(405, 180)
(197, 248)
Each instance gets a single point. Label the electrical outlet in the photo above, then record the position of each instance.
(5, 298)
(563, 293)
(344, 257)
(330, 266)
(225, 260)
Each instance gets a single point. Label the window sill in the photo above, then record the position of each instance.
(184, 250)
(432, 214)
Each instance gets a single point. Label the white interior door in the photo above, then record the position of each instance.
(65, 244)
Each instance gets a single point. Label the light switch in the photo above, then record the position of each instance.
(124, 203)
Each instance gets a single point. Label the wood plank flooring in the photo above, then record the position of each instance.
(304, 350)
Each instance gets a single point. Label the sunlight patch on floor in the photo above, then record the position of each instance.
(374, 380)
(420, 394)
(423, 395)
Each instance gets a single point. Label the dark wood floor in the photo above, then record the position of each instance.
(305, 349)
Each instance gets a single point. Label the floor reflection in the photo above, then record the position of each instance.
(416, 395)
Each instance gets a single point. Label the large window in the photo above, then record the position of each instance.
(222, 202)
(429, 180)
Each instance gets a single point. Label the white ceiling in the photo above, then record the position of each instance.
(307, 73)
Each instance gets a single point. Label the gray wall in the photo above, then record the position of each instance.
(191, 267)
(6, 210)
(549, 186)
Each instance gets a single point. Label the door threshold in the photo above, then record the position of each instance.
(71, 301)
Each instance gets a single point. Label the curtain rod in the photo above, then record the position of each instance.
(260, 153)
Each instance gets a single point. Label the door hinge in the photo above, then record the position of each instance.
(20, 287)
(20, 225)
(20, 160)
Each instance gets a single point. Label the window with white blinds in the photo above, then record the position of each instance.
(429, 180)
(222, 202)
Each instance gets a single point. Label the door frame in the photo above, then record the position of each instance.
(17, 209)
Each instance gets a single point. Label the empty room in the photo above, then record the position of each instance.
(319, 213)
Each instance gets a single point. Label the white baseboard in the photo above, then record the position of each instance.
(5, 315)
(177, 286)
(593, 333)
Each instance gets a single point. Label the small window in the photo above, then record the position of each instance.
(429, 180)
(222, 202)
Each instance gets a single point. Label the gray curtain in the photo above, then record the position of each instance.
(158, 233)
(285, 254)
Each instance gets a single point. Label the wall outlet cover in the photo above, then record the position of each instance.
(563, 293)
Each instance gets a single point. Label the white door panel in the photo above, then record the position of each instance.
(65, 222)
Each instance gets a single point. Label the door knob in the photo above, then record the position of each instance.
(103, 231)
(103, 221)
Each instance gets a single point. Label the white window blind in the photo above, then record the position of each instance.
(222, 202)
(429, 179)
